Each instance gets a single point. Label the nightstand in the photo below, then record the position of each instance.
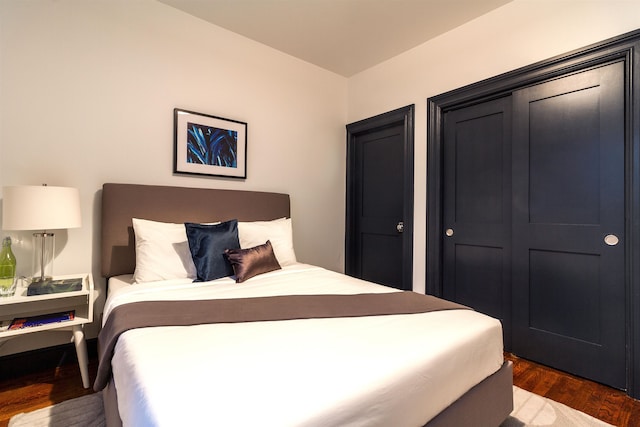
(81, 302)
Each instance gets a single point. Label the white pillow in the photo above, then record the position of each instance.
(162, 251)
(278, 231)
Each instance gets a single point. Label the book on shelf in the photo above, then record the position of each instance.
(44, 319)
(42, 287)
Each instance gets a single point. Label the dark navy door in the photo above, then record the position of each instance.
(379, 229)
(477, 209)
(568, 224)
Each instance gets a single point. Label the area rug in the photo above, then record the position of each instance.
(529, 410)
(532, 410)
(85, 411)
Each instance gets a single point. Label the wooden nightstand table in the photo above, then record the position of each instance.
(81, 302)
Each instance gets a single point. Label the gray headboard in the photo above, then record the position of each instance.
(121, 202)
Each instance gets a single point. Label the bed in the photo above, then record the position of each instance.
(304, 346)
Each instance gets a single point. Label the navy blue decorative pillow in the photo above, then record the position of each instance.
(207, 244)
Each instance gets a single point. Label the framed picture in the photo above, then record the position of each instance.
(209, 145)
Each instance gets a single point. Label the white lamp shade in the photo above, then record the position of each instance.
(40, 207)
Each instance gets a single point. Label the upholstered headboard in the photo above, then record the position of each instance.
(121, 202)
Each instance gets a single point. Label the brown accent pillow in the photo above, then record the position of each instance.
(250, 262)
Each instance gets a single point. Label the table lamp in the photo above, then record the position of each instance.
(41, 207)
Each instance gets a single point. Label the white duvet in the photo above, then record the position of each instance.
(398, 370)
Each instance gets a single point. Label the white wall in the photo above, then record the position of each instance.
(518, 34)
(87, 91)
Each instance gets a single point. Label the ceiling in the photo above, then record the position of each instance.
(343, 36)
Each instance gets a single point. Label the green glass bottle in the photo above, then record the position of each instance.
(7, 269)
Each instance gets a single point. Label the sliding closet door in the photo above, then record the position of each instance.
(477, 208)
(568, 224)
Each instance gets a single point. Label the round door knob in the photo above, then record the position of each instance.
(449, 232)
(611, 239)
(400, 227)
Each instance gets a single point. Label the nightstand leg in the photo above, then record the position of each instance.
(81, 352)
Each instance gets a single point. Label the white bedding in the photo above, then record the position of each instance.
(398, 370)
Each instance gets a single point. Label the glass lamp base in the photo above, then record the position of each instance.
(43, 250)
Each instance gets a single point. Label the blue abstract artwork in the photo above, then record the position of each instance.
(208, 145)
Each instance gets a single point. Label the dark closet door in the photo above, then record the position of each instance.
(379, 226)
(477, 209)
(568, 224)
(380, 211)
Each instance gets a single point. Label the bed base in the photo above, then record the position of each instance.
(110, 401)
(487, 404)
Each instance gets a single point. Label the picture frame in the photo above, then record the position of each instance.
(209, 145)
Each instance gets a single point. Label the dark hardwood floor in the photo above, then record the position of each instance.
(602, 402)
(25, 389)
(53, 385)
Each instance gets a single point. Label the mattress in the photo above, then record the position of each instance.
(399, 370)
(117, 282)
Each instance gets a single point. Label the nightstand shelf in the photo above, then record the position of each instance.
(81, 302)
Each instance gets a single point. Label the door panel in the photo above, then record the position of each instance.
(568, 194)
(382, 266)
(564, 292)
(477, 209)
(478, 277)
(379, 198)
(381, 209)
(564, 159)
